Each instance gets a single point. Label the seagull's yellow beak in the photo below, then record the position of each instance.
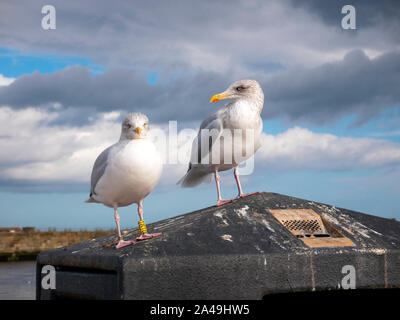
(138, 130)
(219, 96)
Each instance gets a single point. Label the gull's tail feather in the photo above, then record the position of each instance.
(91, 200)
(193, 178)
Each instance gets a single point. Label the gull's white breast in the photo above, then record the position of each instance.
(239, 118)
(133, 170)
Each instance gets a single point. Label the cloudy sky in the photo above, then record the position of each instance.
(331, 112)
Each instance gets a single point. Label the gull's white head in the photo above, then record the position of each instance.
(135, 126)
(242, 90)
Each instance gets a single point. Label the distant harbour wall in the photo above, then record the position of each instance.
(17, 246)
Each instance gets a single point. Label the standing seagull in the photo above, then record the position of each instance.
(127, 172)
(243, 113)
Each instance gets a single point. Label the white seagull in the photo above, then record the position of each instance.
(127, 172)
(240, 115)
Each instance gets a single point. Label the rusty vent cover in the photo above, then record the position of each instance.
(313, 230)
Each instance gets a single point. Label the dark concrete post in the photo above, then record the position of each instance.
(264, 244)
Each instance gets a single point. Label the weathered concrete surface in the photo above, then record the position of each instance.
(238, 251)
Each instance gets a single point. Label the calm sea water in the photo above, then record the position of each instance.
(17, 280)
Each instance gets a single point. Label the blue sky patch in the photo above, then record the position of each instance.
(14, 63)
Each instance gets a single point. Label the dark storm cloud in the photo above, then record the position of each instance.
(75, 87)
(369, 13)
(355, 85)
(77, 94)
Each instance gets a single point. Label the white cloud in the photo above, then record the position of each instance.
(36, 150)
(299, 149)
(4, 81)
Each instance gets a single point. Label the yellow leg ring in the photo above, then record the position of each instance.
(142, 227)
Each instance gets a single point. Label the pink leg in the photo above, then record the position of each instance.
(121, 243)
(220, 201)
(146, 235)
(241, 194)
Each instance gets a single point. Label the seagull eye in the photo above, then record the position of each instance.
(128, 126)
(146, 124)
(240, 88)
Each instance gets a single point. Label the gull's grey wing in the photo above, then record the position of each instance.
(214, 126)
(194, 175)
(98, 169)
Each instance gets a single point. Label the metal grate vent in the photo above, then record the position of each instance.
(307, 225)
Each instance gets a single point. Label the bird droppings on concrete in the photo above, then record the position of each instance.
(354, 225)
(377, 251)
(324, 207)
(273, 239)
(266, 223)
(220, 214)
(243, 212)
(227, 237)
(369, 229)
(258, 248)
(330, 218)
(354, 228)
